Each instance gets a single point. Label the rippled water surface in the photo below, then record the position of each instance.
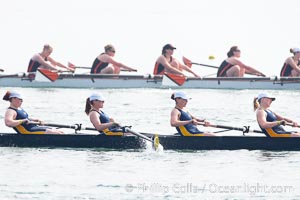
(42, 173)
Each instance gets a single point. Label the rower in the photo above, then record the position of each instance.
(167, 63)
(234, 67)
(40, 61)
(291, 66)
(17, 118)
(101, 64)
(270, 122)
(100, 120)
(185, 123)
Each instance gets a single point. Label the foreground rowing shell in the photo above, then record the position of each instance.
(133, 142)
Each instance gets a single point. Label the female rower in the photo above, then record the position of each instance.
(167, 63)
(270, 122)
(101, 63)
(234, 67)
(291, 66)
(100, 120)
(185, 123)
(40, 61)
(18, 119)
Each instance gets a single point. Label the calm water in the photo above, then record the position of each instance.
(28, 173)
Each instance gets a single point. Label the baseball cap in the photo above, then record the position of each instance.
(14, 94)
(96, 96)
(263, 95)
(169, 46)
(181, 95)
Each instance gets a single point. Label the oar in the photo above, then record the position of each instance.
(189, 63)
(245, 129)
(291, 124)
(75, 126)
(82, 67)
(78, 127)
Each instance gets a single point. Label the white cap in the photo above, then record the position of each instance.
(15, 94)
(96, 96)
(263, 95)
(181, 95)
(296, 50)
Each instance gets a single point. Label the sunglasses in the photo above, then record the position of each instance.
(113, 51)
(98, 100)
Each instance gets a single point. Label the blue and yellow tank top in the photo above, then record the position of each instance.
(188, 129)
(276, 131)
(104, 118)
(26, 128)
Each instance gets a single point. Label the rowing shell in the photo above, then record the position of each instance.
(169, 142)
(148, 81)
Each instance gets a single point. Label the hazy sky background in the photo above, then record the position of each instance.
(78, 30)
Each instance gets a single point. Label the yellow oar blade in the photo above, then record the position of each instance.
(156, 142)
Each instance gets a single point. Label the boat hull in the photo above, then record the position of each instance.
(168, 142)
(148, 81)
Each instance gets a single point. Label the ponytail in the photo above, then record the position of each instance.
(6, 96)
(255, 103)
(87, 106)
(173, 96)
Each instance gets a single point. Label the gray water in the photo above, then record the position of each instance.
(42, 173)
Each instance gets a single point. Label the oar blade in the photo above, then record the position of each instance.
(173, 80)
(186, 61)
(44, 75)
(156, 142)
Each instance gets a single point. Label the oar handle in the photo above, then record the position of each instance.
(76, 127)
(244, 129)
(292, 124)
(205, 65)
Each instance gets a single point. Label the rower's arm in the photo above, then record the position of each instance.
(118, 64)
(175, 116)
(248, 69)
(94, 118)
(44, 63)
(55, 63)
(261, 119)
(168, 66)
(10, 120)
(186, 68)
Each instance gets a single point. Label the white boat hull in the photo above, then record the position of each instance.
(140, 81)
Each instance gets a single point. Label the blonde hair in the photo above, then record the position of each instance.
(47, 47)
(255, 103)
(109, 47)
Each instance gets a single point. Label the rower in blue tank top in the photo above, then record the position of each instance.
(185, 123)
(100, 120)
(17, 118)
(270, 122)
